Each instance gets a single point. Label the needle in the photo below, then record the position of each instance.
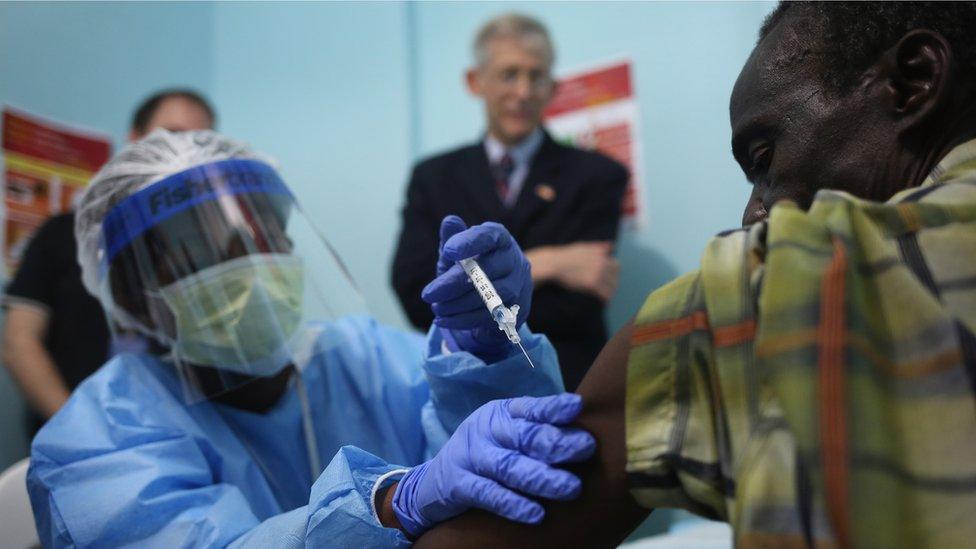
(526, 354)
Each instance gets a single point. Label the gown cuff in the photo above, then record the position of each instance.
(380, 483)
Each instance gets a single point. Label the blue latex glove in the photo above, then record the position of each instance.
(503, 446)
(458, 309)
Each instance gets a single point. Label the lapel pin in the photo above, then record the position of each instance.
(545, 192)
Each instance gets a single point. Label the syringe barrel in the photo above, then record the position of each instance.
(481, 283)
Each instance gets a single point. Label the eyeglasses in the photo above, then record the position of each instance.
(512, 77)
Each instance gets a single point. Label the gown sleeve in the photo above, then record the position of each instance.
(109, 470)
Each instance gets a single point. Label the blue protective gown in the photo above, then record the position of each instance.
(127, 463)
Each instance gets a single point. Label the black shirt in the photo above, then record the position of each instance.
(49, 277)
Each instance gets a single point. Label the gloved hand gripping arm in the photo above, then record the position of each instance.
(503, 447)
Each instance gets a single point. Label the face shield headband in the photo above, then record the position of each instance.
(134, 216)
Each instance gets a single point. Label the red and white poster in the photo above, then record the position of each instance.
(597, 109)
(45, 164)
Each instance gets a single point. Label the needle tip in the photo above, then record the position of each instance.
(526, 355)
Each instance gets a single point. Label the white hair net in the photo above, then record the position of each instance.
(140, 164)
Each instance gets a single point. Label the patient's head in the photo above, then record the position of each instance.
(864, 97)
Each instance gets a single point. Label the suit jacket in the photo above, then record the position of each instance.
(569, 195)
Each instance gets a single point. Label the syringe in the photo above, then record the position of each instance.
(504, 316)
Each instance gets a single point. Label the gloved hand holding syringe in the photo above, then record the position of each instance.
(477, 267)
(504, 316)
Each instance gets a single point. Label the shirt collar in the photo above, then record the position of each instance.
(961, 159)
(960, 162)
(521, 153)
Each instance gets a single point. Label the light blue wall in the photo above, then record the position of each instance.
(324, 88)
(91, 64)
(686, 57)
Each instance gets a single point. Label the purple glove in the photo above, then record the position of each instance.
(503, 447)
(458, 309)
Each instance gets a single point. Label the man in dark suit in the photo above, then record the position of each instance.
(561, 204)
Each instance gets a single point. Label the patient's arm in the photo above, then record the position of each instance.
(604, 513)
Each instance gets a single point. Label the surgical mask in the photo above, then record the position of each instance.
(239, 315)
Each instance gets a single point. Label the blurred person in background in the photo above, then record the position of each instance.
(562, 204)
(55, 334)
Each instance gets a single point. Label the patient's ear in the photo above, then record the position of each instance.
(919, 76)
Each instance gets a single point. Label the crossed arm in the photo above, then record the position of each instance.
(585, 265)
(604, 513)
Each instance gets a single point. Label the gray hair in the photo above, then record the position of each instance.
(513, 25)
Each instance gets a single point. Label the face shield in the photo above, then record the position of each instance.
(219, 264)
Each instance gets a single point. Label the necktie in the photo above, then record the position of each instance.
(502, 171)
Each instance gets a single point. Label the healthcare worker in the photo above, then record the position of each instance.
(271, 416)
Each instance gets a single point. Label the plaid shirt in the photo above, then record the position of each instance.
(813, 383)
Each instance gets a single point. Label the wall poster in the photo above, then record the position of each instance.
(597, 109)
(45, 165)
